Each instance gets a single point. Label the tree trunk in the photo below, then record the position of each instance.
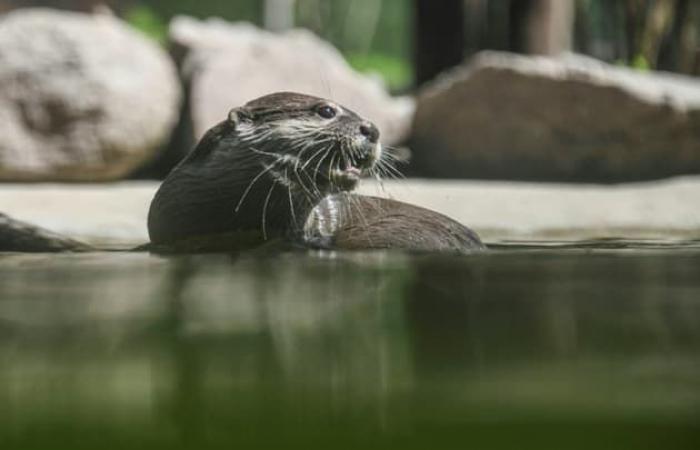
(635, 24)
(550, 26)
(72, 5)
(519, 14)
(671, 49)
(279, 14)
(439, 37)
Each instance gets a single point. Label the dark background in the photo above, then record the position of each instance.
(410, 41)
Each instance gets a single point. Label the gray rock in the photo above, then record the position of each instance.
(82, 97)
(571, 118)
(113, 215)
(18, 236)
(228, 64)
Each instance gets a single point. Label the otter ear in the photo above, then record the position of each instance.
(238, 115)
(233, 117)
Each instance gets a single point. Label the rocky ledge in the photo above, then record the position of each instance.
(571, 118)
(115, 215)
(82, 97)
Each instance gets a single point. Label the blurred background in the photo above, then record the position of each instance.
(629, 120)
(566, 132)
(394, 37)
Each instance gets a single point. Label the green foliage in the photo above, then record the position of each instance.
(387, 54)
(372, 40)
(232, 10)
(640, 62)
(395, 71)
(146, 20)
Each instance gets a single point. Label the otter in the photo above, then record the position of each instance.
(281, 168)
(358, 222)
(260, 172)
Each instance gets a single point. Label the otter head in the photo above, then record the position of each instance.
(308, 142)
(264, 168)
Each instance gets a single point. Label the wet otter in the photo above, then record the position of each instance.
(356, 222)
(268, 171)
(262, 170)
(280, 168)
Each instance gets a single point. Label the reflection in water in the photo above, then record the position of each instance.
(346, 350)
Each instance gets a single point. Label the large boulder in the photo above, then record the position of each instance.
(570, 118)
(82, 97)
(228, 64)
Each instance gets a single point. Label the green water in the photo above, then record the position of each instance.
(520, 348)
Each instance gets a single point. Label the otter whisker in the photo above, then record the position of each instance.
(382, 186)
(309, 194)
(260, 152)
(390, 170)
(388, 175)
(349, 152)
(250, 185)
(310, 145)
(264, 212)
(382, 172)
(291, 203)
(330, 166)
(281, 158)
(388, 153)
(380, 182)
(308, 161)
(343, 160)
(317, 169)
(391, 159)
(354, 149)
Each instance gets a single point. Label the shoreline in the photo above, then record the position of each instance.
(115, 213)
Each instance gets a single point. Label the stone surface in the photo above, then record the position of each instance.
(229, 64)
(18, 236)
(115, 214)
(102, 214)
(82, 97)
(568, 118)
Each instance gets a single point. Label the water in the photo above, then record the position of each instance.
(594, 345)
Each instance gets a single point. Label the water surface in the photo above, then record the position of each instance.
(593, 345)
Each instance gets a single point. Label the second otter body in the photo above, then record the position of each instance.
(281, 166)
(358, 222)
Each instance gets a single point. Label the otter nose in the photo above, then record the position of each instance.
(370, 131)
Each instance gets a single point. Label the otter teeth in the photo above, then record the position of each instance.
(347, 178)
(352, 171)
(348, 172)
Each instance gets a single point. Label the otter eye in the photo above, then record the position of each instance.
(327, 112)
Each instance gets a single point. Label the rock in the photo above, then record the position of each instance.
(108, 215)
(82, 97)
(571, 118)
(18, 236)
(228, 64)
(113, 215)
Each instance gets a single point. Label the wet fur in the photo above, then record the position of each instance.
(261, 171)
(275, 169)
(356, 222)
